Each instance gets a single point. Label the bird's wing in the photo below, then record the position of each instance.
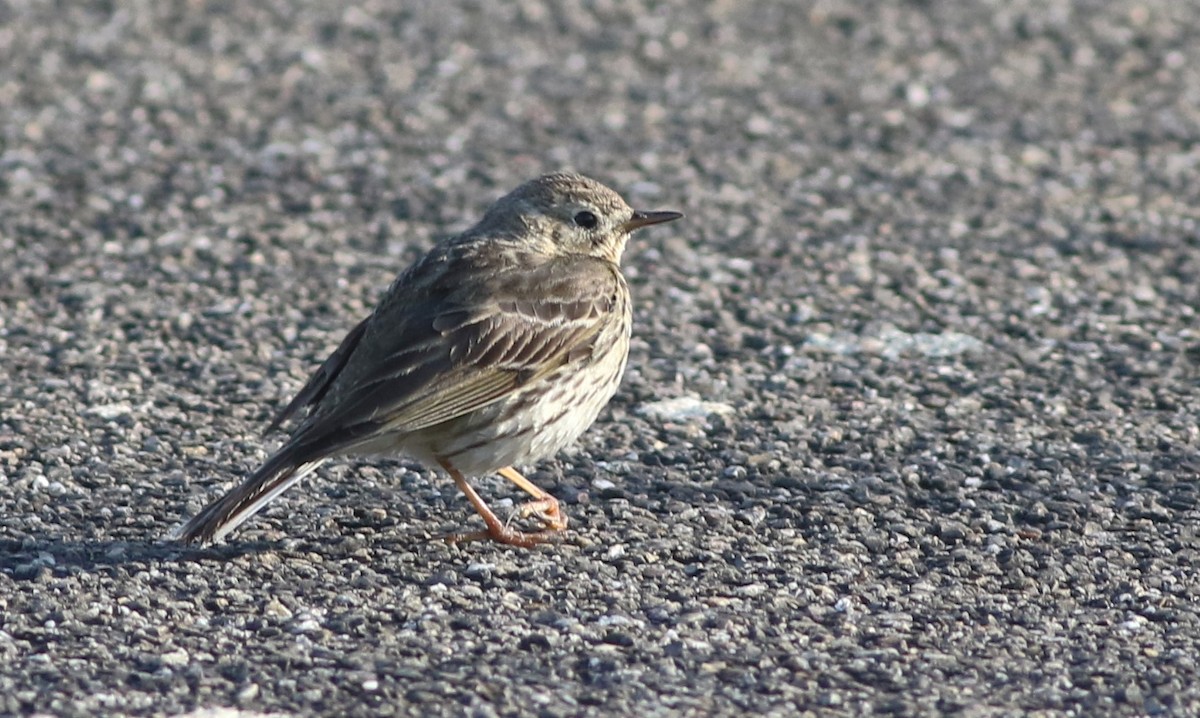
(442, 356)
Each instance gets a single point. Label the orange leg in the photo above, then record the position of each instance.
(496, 530)
(544, 506)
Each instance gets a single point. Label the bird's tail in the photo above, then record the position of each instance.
(239, 504)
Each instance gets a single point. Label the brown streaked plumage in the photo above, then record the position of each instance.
(497, 348)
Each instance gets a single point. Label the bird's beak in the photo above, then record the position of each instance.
(645, 219)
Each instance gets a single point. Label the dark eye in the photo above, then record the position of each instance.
(586, 219)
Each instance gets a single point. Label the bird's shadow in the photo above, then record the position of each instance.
(35, 556)
(29, 557)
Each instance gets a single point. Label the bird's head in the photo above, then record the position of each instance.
(568, 214)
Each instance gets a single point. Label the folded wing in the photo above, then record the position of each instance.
(439, 354)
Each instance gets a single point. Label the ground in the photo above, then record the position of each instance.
(911, 420)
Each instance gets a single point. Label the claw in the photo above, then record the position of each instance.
(545, 510)
(504, 535)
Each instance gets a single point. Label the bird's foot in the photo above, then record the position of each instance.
(544, 510)
(504, 535)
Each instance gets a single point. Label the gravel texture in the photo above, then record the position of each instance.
(911, 420)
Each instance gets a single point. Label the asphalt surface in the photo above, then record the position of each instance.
(911, 420)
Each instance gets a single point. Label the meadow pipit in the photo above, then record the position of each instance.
(497, 348)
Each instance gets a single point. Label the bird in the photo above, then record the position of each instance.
(496, 349)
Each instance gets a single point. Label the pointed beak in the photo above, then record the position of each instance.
(645, 219)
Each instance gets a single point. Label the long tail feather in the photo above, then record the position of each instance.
(225, 514)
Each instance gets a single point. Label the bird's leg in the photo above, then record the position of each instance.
(544, 507)
(496, 531)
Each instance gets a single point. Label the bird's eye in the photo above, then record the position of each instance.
(586, 219)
